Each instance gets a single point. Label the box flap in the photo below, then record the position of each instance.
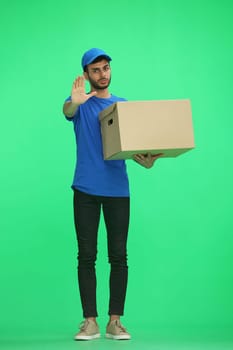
(105, 112)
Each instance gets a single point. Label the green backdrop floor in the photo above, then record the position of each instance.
(102, 344)
(138, 342)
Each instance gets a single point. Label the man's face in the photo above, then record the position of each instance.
(99, 75)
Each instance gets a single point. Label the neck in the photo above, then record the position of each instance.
(102, 93)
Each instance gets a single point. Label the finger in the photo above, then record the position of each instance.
(75, 84)
(155, 156)
(81, 81)
(93, 93)
(78, 82)
(138, 158)
(141, 156)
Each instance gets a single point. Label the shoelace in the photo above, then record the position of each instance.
(83, 325)
(119, 325)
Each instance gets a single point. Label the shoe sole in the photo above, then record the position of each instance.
(87, 337)
(117, 337)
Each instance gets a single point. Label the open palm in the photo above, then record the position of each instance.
(78, 93)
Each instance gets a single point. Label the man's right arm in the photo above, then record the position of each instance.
(70, 108)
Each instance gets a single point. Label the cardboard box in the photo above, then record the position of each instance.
(131, 127)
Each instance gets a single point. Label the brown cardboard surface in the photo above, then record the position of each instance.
(161, 126)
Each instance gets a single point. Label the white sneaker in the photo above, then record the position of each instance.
(115, 330)
(88, 330)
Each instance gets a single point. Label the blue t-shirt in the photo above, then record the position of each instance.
(93, 174)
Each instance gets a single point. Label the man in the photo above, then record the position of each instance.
(99, 184)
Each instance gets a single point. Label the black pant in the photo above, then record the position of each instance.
(87, 209)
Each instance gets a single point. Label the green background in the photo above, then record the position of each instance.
(180, 240)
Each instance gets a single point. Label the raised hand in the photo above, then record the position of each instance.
(78, 94)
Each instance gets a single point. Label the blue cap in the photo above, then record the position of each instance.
(92, 54)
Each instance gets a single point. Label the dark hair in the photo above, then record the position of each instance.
(96, 60)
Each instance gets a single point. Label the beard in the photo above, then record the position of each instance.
(98, 86)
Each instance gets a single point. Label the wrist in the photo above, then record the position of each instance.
(74, 104)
